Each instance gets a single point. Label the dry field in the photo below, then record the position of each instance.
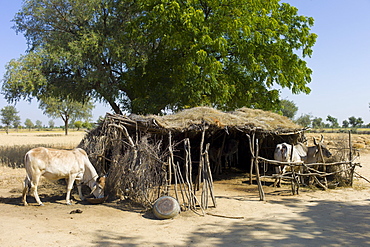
(337, 217)
(56, 138)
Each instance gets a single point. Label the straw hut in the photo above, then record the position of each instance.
(145, 156)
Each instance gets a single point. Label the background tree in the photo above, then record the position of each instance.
(28, 123)
(66, 109)
(333, 121)
(9, 116)
(304, 120)
(355, 122)
(38, 124)
(149, 56)
(288, 108)
(51, 124)
(87, 125)
(17, 123)
(345, 124)
(317, 123)
(78, 125)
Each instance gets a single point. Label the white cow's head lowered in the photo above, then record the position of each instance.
(98, 187)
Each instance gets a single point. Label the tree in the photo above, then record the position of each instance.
(66, 109)
(9, 116)
(333, 121)
(304, 120)
(17, 122)
(28, 123)
(288, 108)
(317, 123)
(38, 124)
(345, 124)
(355, 122)
(87, 125)
(78, 125)
(51, 124)
(149, 56)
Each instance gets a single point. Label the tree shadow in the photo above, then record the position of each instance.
(315, 223)
(322, 223)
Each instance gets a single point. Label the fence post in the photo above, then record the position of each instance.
(260, 189)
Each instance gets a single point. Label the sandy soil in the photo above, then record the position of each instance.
(337, 217)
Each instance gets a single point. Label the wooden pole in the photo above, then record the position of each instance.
(200, 167)
(260, 189)
(350, 158)
(251, 148)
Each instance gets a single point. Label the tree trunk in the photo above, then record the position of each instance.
(66, 126)
(115, 107)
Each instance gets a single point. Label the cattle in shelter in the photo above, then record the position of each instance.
(288, 153)
(284, 152)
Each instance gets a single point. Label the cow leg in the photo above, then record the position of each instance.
(79, 187)
(278, 171)
(34, 185)
(70, 182)
(26, 185)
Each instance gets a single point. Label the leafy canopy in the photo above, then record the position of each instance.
(67, 109)
(147, 56)
(9, 116)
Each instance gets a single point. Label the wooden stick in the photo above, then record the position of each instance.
(367, 180)
(260, 189)
(224, 216)
(182, 184)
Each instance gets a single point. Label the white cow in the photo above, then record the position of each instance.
(56, 164)
(283, 153)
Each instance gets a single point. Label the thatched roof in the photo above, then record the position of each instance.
(243, 118)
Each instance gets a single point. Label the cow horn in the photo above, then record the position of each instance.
(93, 189)
(322, 138)
(314, 141)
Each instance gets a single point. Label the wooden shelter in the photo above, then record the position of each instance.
(149, 156)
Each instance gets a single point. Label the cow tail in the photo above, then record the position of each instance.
(28, 180)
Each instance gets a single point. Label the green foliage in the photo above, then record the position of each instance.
(147, 56)
(333, 121)
(305, 120)
(355, 122)
(51, 124)
(317, 123)
(345, 124)
(87, 125)
(67, 109)
(29, 124)
(9, 116)
(78, 124)
(288, 108)
(38, 124)
(17, 122)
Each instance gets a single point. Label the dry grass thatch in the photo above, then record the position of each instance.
(244, 118)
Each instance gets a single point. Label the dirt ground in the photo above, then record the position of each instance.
(338, 217)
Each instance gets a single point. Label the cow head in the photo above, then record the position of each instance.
(320, 146)
(281, 152)
(98, 189)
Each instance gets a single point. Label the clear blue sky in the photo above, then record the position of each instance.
(340, 62)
